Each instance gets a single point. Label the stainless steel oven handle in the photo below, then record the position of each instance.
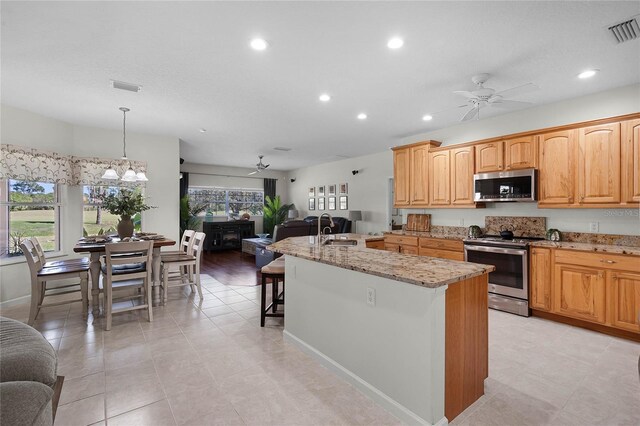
(501, 250)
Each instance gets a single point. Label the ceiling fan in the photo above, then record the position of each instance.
(259, 167)
(486, 96)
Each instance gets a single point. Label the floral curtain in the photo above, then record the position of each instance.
(17, 162)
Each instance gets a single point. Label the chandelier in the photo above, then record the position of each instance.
(130, 175)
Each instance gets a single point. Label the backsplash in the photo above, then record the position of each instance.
(617, 240)
(522, 226)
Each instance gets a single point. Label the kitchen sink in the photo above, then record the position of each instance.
(340, 242)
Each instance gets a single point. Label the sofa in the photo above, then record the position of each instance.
(342, 225)
(309, 226)
(29, 384)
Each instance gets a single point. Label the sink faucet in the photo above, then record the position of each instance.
(320, 224)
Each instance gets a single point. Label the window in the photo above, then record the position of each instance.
(28, 209)
(226, 201)
(96, 220)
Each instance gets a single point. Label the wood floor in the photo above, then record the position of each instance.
(231, 267)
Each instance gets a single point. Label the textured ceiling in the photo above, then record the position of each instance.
(197, 70)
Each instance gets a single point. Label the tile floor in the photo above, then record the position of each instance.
(208, 362)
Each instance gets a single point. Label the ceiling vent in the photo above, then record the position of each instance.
(625, 31)
(125, 86)
(282, 148)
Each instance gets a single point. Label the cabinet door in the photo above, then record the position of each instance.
(557, 152)
(625, 300)
(462, 175)
(599, 164)
(631, 161)
(418, 176)
(540, 282)
(489, 157)
(392, 247)
(521, 153)
(401, 170)
(579, 292)
(439, 186)
(409, 249)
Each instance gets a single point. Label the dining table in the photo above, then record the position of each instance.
(97, 249)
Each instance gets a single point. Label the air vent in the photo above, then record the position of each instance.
(282, 148)
(625, 31)
(125, 86)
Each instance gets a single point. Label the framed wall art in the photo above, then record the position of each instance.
(344, 189)
(344, 205)
(312, 203)
(312, 191)
(332, 190)
(321, 191)
(332, 202)
(320, 203)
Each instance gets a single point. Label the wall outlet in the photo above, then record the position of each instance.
(461, 222)
(593, 226)
(371, 296)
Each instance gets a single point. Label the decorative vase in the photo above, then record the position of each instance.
(125, 227)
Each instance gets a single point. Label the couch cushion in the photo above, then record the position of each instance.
(25, 355)
(25, 403)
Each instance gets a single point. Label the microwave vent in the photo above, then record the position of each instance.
(626, 31)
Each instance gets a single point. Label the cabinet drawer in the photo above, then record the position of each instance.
(598, 260)
(375, 244)
(392, 247)
(441, 244)
(443, 254)
(409, 250)
(401, 239)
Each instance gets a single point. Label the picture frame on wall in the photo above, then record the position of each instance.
(344, 205)
(332, 202)
(312, 191)
(332, 190)
(320, 203)
(321, 191)
(312, 203)
(343, 189)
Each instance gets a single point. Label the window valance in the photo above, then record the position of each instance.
(18, 162)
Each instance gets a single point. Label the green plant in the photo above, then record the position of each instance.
(125, 203)
(189, 214)
(274, 212)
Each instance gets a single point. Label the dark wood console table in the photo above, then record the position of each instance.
(227, 235)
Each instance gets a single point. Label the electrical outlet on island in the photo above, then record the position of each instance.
(593, 226)
(371, 296)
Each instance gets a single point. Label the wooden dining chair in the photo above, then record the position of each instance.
(182, 269)
(185, 244)
(41, 278)
(55, 263)
(127, 266)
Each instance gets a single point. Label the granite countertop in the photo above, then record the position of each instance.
(601, 248)
(419, 270)
(427, 234)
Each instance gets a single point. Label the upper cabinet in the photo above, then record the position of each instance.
(557, 164)
(461, 160)
(418, 193)
(599, 164)
(489, 157)
(631, 161)
(521, 153)
(410, 174)
(401, 176)
(439, 178)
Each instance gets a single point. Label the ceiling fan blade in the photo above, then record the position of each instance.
(529, 87)
(465, 93)
(266, 165)
(470, 114)
(252, 173)
(509, 104)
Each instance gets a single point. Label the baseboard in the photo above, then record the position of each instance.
(405, 415)
(17, 301)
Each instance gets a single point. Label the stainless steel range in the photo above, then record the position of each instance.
(509, 283)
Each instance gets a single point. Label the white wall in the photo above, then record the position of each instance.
(20, 127)
(367, 190)
(235, 177)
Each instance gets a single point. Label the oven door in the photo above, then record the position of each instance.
(511, 275)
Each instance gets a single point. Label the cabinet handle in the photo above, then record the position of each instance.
(614, 276)
(600, 275)
(607, 261)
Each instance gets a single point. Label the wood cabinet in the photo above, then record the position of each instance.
(625, 300)
(404, 244)
(557, 165)
(441, 247)
(418, 188)
(540, 279)
(631, 161)
(439, 178)
(401, 177)
(462, 175)
(521, 153)
(579, 292)
(599, 164)
(378, 244)
(489, 157)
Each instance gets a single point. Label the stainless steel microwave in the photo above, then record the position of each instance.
(517, 185)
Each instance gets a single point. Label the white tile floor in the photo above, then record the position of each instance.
(209, 362)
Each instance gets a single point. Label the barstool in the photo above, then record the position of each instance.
(275, 272)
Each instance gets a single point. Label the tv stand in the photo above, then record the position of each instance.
(227, 235)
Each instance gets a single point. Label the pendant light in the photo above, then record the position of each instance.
(130, 175)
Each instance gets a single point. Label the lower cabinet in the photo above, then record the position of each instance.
(579, 292)
(378, 244)
(625, 300)
(401, 244)
(442, 248)
(540, 281)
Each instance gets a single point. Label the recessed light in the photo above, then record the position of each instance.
(362, 116)
(324, 97)
(427, 117)
(395, 43)
(587, 73)
(259, 44)
(203, 130)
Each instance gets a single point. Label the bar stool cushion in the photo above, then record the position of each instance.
(275, 267)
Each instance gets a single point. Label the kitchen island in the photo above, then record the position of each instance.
(409, 331)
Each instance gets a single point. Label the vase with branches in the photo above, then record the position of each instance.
(125, 203)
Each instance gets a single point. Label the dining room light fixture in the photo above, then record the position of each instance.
(130, 175)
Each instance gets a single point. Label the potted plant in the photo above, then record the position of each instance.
(274, 213)
(125, 203)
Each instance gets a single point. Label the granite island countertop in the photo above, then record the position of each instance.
(599, 248)
(423, 271)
